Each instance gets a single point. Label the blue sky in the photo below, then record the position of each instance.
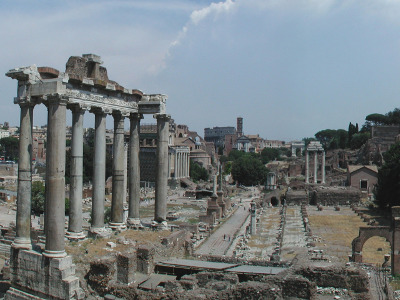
(289, 67)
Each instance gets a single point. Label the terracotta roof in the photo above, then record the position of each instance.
(352, 169)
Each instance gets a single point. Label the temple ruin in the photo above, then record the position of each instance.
(84, 86)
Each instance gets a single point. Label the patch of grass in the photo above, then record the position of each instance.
(338, 231)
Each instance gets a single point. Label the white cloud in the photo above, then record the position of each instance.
(199, 15)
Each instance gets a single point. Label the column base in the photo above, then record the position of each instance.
(99, 232)
(54, 253)
(117, 226)
(160, 225)
(22, 243)
(134, 223)
(75, 235)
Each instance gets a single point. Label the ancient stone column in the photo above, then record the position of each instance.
(134, 169)
(162, 167)
(99, 171)
(55, 177)
(188, 166)
(315, 166)
(76, 185)
(307, 167)
(323, 167)
(214, 184)
(24, 192)
(253, 221)
(176, 164)
(117, 204)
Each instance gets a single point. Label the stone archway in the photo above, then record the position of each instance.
(365, 234)
(390, 233)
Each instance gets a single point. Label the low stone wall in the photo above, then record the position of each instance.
(296, 197)
(328, 196)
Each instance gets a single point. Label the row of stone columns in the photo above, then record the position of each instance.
(181, 164)
(55, 173)
(315, 166)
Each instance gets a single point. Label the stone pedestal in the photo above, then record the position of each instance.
(212, 206)
(35, 276)
(221, 203)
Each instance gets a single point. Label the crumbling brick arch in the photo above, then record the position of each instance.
(365, 234)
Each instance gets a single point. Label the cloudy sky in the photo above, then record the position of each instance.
(288, 67)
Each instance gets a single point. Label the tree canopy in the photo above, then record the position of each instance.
(249, 170)
(388, 187)
(9, 147)
(197, 172)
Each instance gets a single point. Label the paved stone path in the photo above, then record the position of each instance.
(294, 237)
(216, 244)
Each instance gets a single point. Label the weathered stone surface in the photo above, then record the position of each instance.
(41, 276)
(100, 274)
(126, 266)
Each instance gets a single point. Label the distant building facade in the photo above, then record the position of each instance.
(362, 177)
(217, 135)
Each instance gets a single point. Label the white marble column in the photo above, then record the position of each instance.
(99, 171)
(55, 177)
(315, 167)
(117, 203)
(162, 167)
(76, 185)
(307, 167)
(24, 191)
(134, 169)
(176, 164)
(323, 167)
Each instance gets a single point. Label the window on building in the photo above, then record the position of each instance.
(363, 184)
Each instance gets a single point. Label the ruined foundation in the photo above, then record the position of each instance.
(34, 275)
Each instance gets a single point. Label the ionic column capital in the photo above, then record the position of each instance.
(26, 101)
(55, 98)
(165, 117)
(97, 110)
(77, 108)
(136, 116)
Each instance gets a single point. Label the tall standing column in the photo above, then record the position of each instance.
(99, 171)
(162, 167)
(176, 164)
(315, 166)
(184, 165)
(117, 204)
(76, 185)
(55, 177)
(23, 224)
(188, 166)
(134, 169)
(323, 167)
(307, 166)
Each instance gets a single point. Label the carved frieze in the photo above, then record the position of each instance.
(87, 99)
